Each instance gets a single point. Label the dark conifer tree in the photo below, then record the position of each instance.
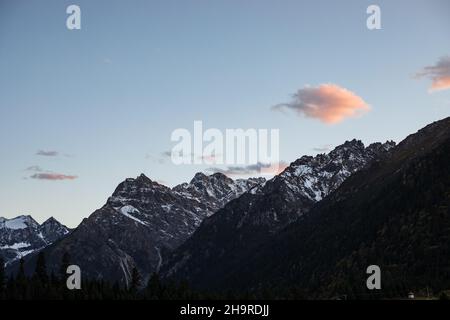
(21, 273)
(154, 288)
(65, 262)
(41, 268)
(2, 277)
(135, 280)
(19, 285)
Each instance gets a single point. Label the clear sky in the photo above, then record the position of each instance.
(81, 110)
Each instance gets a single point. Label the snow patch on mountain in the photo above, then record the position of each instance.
(128, 212)
(17, 246)
(15, 224)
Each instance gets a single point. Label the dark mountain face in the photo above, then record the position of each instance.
(394, 213)
(223, 240)
(22, 235)
(140, 223)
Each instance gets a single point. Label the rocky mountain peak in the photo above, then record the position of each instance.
(430, 136)
(216, 189)
(140, 187)
(52, 230)
(22, 235)
(315, 177)
(51, 221)
(198, 177)
(348, 149)
(142, 178)
(18, 223)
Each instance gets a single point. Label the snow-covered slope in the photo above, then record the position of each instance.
(22, 235)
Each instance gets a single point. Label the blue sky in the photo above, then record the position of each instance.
(107, 97)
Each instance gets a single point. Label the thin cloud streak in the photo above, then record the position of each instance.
(323, 149)
(47, 153)
(253, 169)
(34, 168)
(52, 176)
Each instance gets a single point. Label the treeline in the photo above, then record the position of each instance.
(44, 285)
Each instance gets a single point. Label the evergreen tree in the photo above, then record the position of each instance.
(21, 273)
(41, 268)
(2, 277)
(135, 280)
(19, 285)
(65, 262)
(154, 287)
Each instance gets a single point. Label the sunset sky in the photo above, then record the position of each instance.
(81, 110)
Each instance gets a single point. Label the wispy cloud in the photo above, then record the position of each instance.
(161, 158)
(34, 168)
(324, 148)
(253, 169)
(329, 103)
(41, 174)
(47, 153)
(52, 176)
(211, 158)
(166, 154)
(439, 74)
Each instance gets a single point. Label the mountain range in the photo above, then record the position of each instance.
(309, 232)
(140, 224)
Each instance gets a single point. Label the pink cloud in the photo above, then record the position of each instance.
(441, 84)
(52, 176)
(438, 73)
(329, 103)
